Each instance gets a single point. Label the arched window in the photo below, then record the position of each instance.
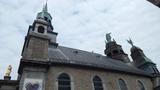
(97, 82)
(140, 86)
(64, 82)
(122, 84)
(40, 29)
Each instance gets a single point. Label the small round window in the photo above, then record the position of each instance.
(40, 29)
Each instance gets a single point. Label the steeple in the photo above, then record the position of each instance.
(39, 33)
(39, 38)
(141, 61)
(45, 8)
(45, 15)
(115, 51)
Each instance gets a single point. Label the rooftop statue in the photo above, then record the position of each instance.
(108, 37)
(8, 71)
(130, 42)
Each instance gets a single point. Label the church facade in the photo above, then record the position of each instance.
(45, 65)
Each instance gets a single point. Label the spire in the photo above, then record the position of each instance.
(45, 15)
(45, 8)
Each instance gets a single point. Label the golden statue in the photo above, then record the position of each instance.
(8, 71)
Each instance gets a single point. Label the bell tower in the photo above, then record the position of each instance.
(40, 34)
(115, 51)
(36, 41)
(33, 67)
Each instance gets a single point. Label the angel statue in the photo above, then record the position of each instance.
(108, 37)
(130, 42)
(8, 71)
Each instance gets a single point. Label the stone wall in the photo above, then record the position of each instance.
(81, 79)
(32, 73)
(36, 47)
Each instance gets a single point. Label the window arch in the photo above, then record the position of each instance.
(140, 85)
(64, 82)
(122, 84)
(97, 82)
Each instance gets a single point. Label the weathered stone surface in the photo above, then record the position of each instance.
(32, 73)
(9, 84)
(82, 79)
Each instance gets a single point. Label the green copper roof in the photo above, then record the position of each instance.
(44, 14)
(147, 59)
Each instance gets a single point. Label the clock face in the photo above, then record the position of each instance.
(32, 84)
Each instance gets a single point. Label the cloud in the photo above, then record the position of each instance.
(81, 24)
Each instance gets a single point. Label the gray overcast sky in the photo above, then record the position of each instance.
(81, 24)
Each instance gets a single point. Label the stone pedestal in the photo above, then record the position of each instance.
(7, 77)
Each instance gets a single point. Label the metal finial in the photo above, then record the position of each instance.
(130, 42)
(46, 1)
(8, 71)
(45, 8)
